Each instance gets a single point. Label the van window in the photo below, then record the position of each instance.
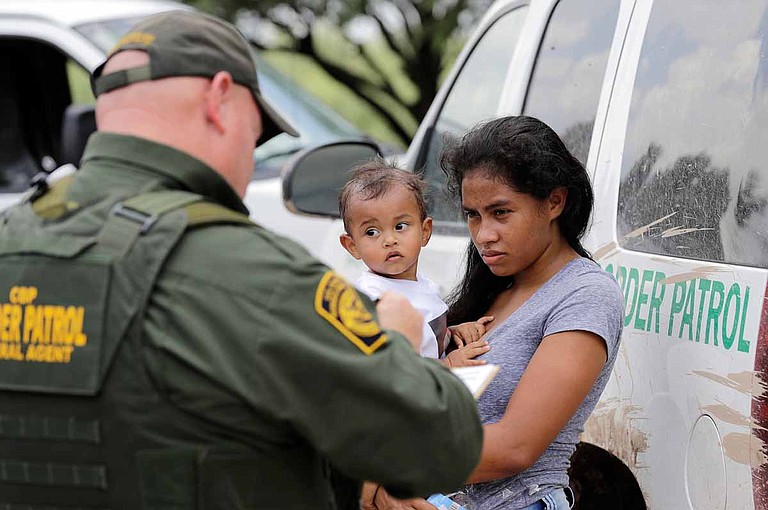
(694, 177)
(568, 74)
(473, 97)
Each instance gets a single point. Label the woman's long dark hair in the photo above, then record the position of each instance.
(527, 155)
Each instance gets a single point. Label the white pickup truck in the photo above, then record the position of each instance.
(47, 50)
(666, 102)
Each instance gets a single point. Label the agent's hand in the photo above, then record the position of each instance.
(469, 332)
(368, 494)
(464, 356)
(396, 313)
(383, 501)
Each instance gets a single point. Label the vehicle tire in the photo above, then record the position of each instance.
(599, 481)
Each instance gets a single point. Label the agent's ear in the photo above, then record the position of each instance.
(349, 244)
(426, 231)
(216, 96)
(556, 202)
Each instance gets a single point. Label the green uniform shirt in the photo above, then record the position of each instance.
(249, 333)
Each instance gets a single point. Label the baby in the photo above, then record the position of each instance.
(386, 225)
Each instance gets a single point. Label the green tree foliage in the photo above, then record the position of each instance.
(396, 74)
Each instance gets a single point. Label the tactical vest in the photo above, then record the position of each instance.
(82, 423)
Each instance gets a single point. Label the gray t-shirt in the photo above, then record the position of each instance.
(580, 297)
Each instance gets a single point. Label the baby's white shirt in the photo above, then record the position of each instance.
(423, 294)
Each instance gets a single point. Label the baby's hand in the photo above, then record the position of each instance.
(469, 332)
(463, 356)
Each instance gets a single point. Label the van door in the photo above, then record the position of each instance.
(681, 220)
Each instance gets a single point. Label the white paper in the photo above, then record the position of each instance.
(476, 378)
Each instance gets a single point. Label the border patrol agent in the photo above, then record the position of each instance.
(158, 350)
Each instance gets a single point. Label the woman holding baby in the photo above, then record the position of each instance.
(557, 315)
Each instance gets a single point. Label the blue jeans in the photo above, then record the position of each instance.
(555, 500)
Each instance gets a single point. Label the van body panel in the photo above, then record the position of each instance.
(519, 66)
(617, 47)
(519, 74)
(684, 356)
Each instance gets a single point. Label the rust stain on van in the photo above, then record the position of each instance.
(610, 426)
(750, 379)
(743, 382)
(699, 272)
(639, 232)
(605, 249)
(745, 449)
(678, 231)
(727, 414)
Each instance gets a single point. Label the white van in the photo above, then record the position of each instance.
(666, 102)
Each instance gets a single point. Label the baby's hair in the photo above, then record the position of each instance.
(375, 178)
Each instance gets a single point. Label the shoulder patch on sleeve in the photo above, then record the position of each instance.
(338, 302)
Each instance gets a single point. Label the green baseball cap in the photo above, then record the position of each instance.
(188, 43)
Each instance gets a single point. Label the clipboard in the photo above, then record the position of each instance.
(476, 378)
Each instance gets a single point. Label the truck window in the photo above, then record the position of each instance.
(79, 83)
(694, 181)
(105, 33)
(568, 73)
(33, 96)
(473, 97)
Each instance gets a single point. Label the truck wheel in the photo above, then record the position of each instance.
(600, 480)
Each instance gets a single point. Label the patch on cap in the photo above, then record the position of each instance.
(140, 38)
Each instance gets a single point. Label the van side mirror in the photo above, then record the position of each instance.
(77, 125)
(313, 179)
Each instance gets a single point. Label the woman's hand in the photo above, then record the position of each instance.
(464, 356)
(468, 332)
